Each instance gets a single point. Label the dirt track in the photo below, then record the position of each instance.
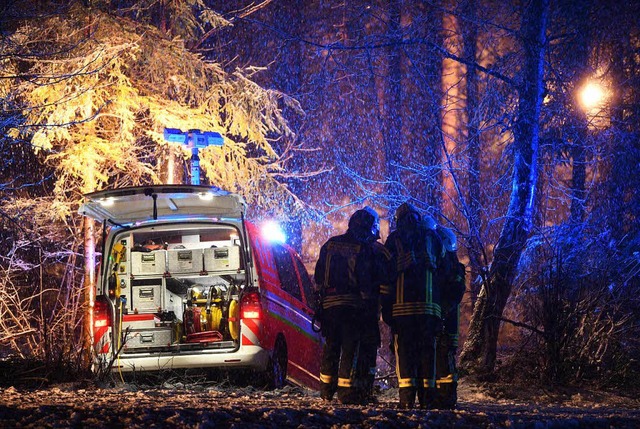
(176, 405)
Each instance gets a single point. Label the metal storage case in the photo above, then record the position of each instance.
(148, 263)
(142, 338)
(222, 258)
(146, 295)
(184, 261)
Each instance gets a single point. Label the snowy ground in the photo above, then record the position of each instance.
(223, 406)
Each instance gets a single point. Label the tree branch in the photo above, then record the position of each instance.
(521, 325)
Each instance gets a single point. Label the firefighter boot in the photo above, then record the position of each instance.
(327, 390)
(348, 396)
(369, 392)
(448, 396)
(427, 398)
(364, 388)
(407, 397)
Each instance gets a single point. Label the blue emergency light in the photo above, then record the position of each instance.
(273, 232)
(194, 140)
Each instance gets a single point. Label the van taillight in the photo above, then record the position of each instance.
(250, 307)
(101, 313)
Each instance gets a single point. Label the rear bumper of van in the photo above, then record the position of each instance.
(247, 357)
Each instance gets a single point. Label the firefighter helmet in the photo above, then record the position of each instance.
(449, 240)
(404, 210)
(375, 228)
(197, 292)
(364, 224)
(429, 222)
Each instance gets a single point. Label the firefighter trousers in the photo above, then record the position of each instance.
(446, 375)
(415, 347)
(446, 369)
(340, 354)
(368, 352)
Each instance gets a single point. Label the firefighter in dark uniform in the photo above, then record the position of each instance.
(412, 306)
(451, 276)
(370, 319)
(344, 274)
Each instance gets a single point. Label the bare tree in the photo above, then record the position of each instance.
(479, 351)
(473, 114)
(392, 117)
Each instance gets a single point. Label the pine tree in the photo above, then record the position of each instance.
(98, 103)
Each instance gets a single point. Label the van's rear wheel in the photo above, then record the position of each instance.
(277, 371)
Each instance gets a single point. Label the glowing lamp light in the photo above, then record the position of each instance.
(106, 202)
(272, 232)
(100, 323)
(591, 95)
(206, 196)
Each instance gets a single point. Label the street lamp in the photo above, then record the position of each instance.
(193, 140)
(591, 96)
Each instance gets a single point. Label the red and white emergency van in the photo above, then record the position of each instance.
(187, 282)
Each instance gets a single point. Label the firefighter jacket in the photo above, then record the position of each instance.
(382, 273)
(345, 270)
(416, 254)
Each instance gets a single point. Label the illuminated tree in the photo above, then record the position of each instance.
(99, 106)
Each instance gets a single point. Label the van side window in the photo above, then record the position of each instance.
(286, 271)
(307, 286)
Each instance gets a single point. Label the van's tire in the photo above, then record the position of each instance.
(277, 370)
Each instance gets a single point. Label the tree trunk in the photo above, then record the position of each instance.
(470, 36)
(619, 213)
(479, 351)
(579, 156)
(431, 193)
(89, 288)
(393, 101)
(579, 176)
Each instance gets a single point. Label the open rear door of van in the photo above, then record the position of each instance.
(147, 203)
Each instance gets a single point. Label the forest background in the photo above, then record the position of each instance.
(472, 110)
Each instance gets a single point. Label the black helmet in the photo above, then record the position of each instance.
(364, 224)
(406, 215)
